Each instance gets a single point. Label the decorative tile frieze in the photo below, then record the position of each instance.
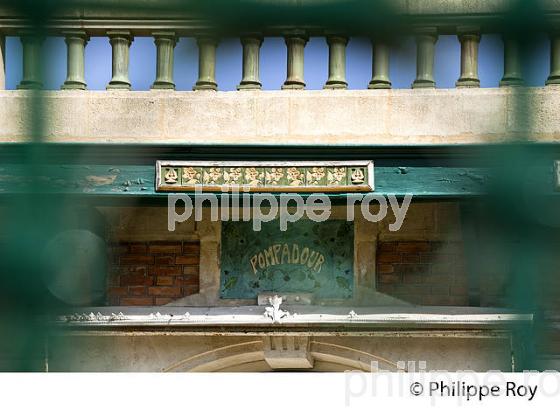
(303, 176)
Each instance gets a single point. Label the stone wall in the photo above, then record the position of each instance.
(327, 117)
(183, 353)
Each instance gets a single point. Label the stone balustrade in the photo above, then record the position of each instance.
(426, 23)
(426, 38)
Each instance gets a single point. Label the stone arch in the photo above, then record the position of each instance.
(350, 357)
(252, 356)
(219, 358)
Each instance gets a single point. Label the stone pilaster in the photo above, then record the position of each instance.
(425, 52)
(165, 46)
(295, 42)
(251, 55)
(120, 42)
(75, 65)
(554, 77)
(206, 64)
(512, 62)
(337, 62)
(470, 39)
(31, 43)
(380, 66)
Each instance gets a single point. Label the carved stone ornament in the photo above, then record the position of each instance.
(92, 317)
(274, 312)
(100, 318)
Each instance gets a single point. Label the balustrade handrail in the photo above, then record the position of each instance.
(295, 20)
(190, 17)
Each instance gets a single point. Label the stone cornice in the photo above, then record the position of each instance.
(311, 318)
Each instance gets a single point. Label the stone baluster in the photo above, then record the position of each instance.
(425, 52)
(554, 77)
(251, 55)
(337, 62)
(295, 42)
(165, 46)
(120, 42)
(206, 64)
(380, 66)
(470, 39)
(31, 61)
(512, 62)
(75, 65)
(2, 62)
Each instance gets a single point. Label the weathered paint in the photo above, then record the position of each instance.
(139, 180)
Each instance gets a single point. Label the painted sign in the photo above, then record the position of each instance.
(247, 176)
(312, 257)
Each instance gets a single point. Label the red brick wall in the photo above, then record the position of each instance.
(152, 273)
(431, 273)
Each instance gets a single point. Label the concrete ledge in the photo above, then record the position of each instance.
(326, 117)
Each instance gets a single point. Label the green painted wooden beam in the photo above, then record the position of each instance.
(138, 180)
(120, 172)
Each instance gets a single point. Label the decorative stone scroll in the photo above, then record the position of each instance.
(349, 176)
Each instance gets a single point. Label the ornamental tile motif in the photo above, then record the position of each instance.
(316, 176)
(296, 177)
(252, 176)
(192, 176)
(274, 176)
(213, 176)
(309, 257)
(233, 176)
(336, 176)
